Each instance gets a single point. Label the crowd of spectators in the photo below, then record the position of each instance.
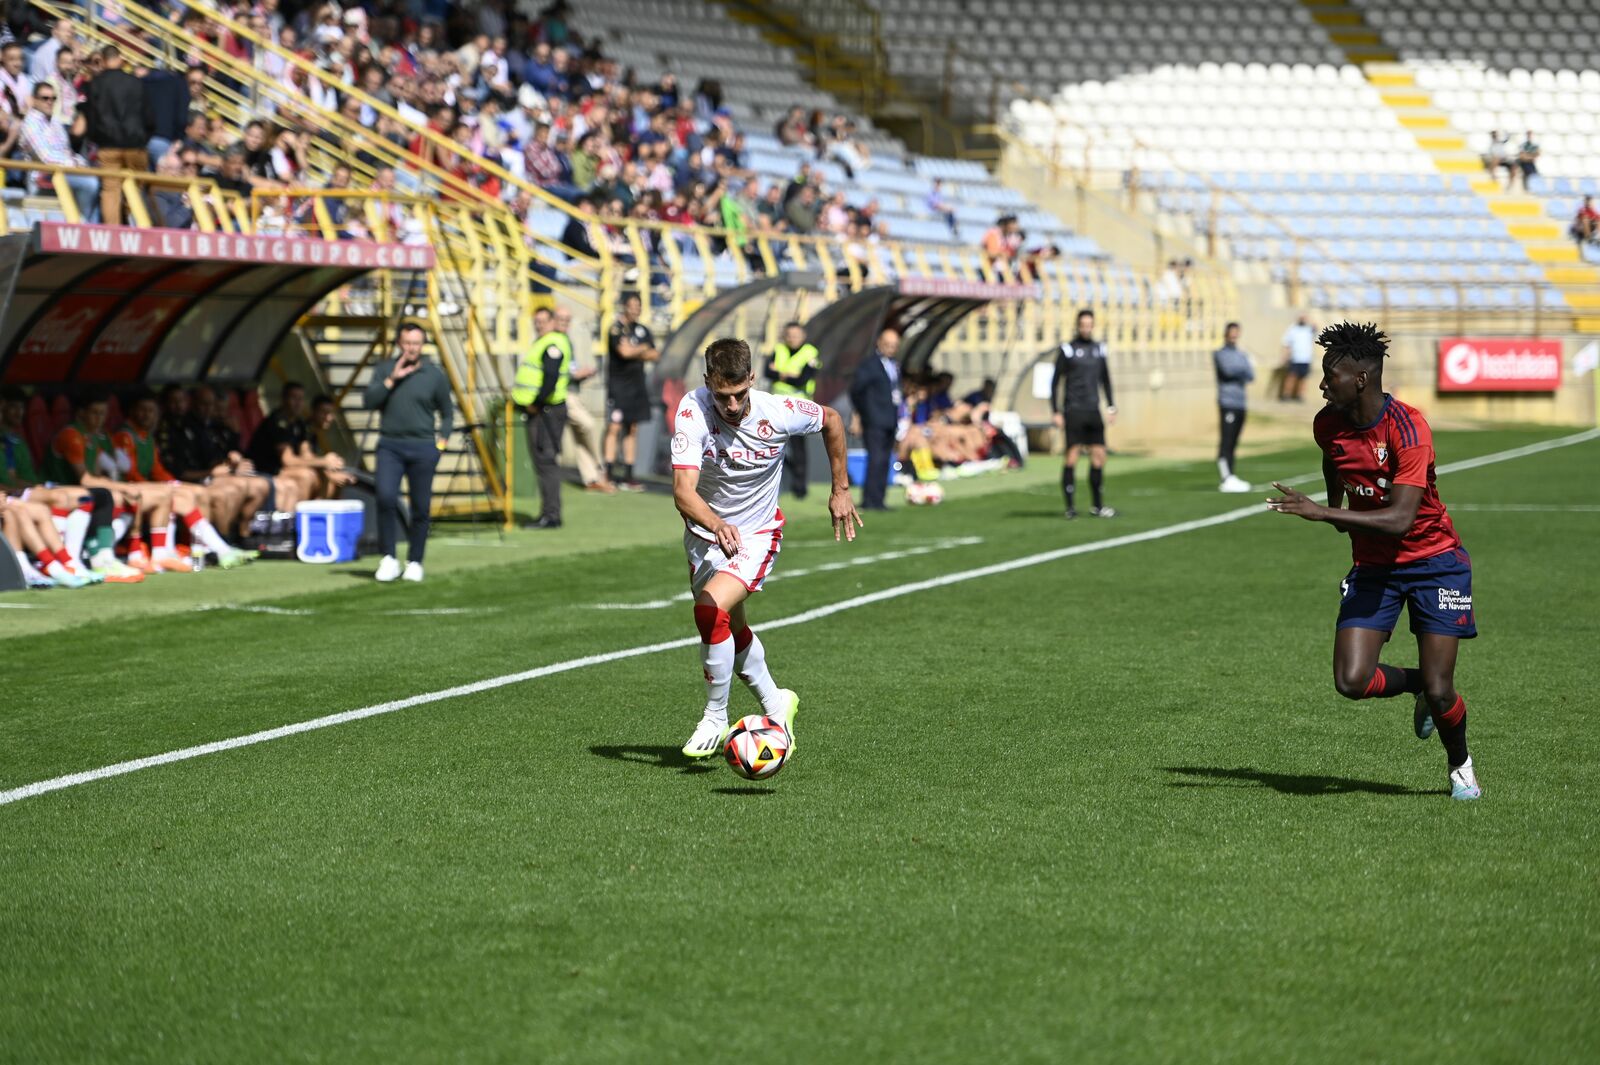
(530, 97)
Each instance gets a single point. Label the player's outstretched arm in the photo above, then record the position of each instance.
(1395, 519)
(841, 507)
(699, 512)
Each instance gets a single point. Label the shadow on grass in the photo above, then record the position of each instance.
(1054, 515)
(656, 757)
(748, 790)
(1284, 783)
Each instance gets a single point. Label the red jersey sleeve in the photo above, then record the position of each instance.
(1322, 428)
(70, 445)
(1412, 440)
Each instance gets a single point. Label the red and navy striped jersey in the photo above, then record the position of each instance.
(1397, 448)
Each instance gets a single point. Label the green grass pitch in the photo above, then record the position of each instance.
(1106, 808)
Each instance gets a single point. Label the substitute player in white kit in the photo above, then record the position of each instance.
(727, 462)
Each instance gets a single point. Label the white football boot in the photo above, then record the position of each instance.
(708, 735)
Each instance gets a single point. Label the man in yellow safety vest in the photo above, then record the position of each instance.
(540, 391)
(793, 370)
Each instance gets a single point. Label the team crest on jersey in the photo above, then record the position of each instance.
(1382, 451)
(764, 429)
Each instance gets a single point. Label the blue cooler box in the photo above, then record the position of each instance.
(855, 464)
(328, 529)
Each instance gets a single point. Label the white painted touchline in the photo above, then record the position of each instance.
(19, 606)
(44, 787)
(826, 567)
(1529, 508)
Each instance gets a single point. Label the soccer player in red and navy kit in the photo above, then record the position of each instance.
(1378, 462)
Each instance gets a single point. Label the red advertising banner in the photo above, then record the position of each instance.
(1499, 364)
(85, 238)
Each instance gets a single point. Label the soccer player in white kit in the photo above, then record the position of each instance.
(727, 462)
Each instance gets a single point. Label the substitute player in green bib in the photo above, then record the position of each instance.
(793, 370)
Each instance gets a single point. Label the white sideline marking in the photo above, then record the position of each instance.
(439, 611)
(306, 612)
(244, 608)
(43, 787)
(19, 606)
(826, 567)
(1531, 508)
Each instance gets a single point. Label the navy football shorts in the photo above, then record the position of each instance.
(1436, 590)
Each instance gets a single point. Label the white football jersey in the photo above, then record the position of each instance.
(741, 465)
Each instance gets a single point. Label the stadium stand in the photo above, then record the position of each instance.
(1345, 177)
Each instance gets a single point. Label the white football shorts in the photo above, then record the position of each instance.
(750, 565)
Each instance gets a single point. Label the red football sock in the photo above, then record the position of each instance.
(712, 621)
(1452, 726)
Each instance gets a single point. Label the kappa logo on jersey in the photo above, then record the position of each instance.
(687, 413)
(680, 443)
(764, 429)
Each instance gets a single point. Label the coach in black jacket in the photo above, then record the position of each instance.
(875, 395)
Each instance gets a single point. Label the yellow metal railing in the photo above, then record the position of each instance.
(686, 261)
(215, 210)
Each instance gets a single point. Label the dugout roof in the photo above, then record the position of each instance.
(922, 309)
(117, 305)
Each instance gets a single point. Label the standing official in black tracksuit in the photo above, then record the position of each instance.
(1081, 374)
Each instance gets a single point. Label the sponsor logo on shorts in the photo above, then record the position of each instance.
(1453, 601)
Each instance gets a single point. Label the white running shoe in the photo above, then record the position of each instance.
(413, 573)
(1234, 483)
(1464, 782)
(708, 736)
(785, 717)
(388, 570)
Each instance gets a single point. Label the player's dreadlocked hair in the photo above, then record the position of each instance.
(728, 361)
(1361, 342)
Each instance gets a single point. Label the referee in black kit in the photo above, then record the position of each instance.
(1081, 373)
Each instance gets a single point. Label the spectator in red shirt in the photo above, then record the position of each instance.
(1586, 224)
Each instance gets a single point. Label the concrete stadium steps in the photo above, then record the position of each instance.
(1544, 242)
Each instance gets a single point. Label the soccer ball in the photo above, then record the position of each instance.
(924, 493)
(757, 747)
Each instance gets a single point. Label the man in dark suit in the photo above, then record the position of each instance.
(875, 395)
